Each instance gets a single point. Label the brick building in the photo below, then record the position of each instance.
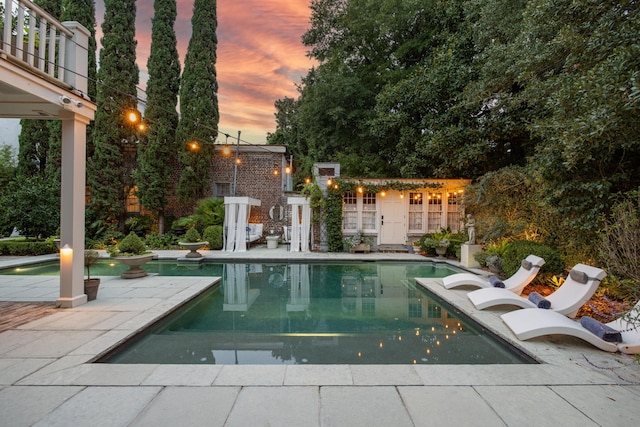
(260, 173)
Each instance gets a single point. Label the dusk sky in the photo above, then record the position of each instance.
(260, 57)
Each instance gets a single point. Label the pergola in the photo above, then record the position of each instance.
(32, 87)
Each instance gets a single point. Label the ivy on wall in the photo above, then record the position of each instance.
(342, 186)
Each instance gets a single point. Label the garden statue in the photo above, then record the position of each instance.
(471, 229)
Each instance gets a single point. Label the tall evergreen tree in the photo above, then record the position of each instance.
(33, 147)
(114, 136)
(198, 103)
(156, 153)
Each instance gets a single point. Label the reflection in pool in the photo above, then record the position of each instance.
(357, 313)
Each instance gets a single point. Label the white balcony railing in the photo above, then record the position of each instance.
(36, 41)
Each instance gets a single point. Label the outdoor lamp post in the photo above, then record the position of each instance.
(235, 166)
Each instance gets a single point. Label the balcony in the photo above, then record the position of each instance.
(43, 64)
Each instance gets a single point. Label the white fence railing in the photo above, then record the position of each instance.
(33, 39)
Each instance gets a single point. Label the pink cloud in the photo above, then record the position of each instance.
(260, 56)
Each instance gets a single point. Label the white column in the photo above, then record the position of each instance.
(72, 201)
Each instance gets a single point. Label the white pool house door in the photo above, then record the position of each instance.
(392, 219)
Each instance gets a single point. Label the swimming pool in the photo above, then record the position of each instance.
(316, 313)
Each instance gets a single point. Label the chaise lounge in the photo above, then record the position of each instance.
(581, 284)
(526, 273)
(532, 322)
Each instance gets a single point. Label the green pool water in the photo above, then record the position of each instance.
(345, 313)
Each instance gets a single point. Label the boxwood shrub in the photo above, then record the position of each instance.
(518, 250)
(213, 235)
(27, 247)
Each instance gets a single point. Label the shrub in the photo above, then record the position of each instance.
(192, 235)
(160, 241)
(26, 247)
(618, 245)
(214, 235)
(132, 245)
(208, 212)
(516, 251)
(492, 254)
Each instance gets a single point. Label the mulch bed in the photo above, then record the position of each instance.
(14, 314)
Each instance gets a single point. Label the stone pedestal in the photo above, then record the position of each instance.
(272, 242)
(466, 255)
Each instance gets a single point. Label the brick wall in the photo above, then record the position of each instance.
(255, 178)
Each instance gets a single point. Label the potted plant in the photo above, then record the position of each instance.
(192, 242)
(359, 242)
(438, 241)
(133, 253)
(91, 285)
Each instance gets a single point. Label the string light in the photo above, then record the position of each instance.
(135, 116)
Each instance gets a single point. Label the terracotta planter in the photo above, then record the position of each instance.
(91, 288)
(193, 247)
(134, 262)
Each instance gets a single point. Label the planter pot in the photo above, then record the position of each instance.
(441, 251)
(193, 247)
(134, 262)
(362, 247)
(91, 288)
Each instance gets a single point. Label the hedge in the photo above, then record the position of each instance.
(26, 248)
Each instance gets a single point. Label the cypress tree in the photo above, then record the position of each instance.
(157, 152)
(33, 147)
(199, 114)
(114, 135)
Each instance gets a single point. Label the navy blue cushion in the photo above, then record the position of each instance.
(602, 331)
(539, 300)
(496, 282)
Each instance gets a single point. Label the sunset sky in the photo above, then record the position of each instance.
(260, 56)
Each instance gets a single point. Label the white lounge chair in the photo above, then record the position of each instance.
(532, 322)
(516, 283)
(581, 284)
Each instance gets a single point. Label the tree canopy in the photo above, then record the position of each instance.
(540, 89)
(157, 152)
(198, 103)
(114, 135)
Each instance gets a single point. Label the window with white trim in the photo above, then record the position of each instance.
(369, 211)
(349, 211)
(434, 212)
(416, 212)
(454, 211)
